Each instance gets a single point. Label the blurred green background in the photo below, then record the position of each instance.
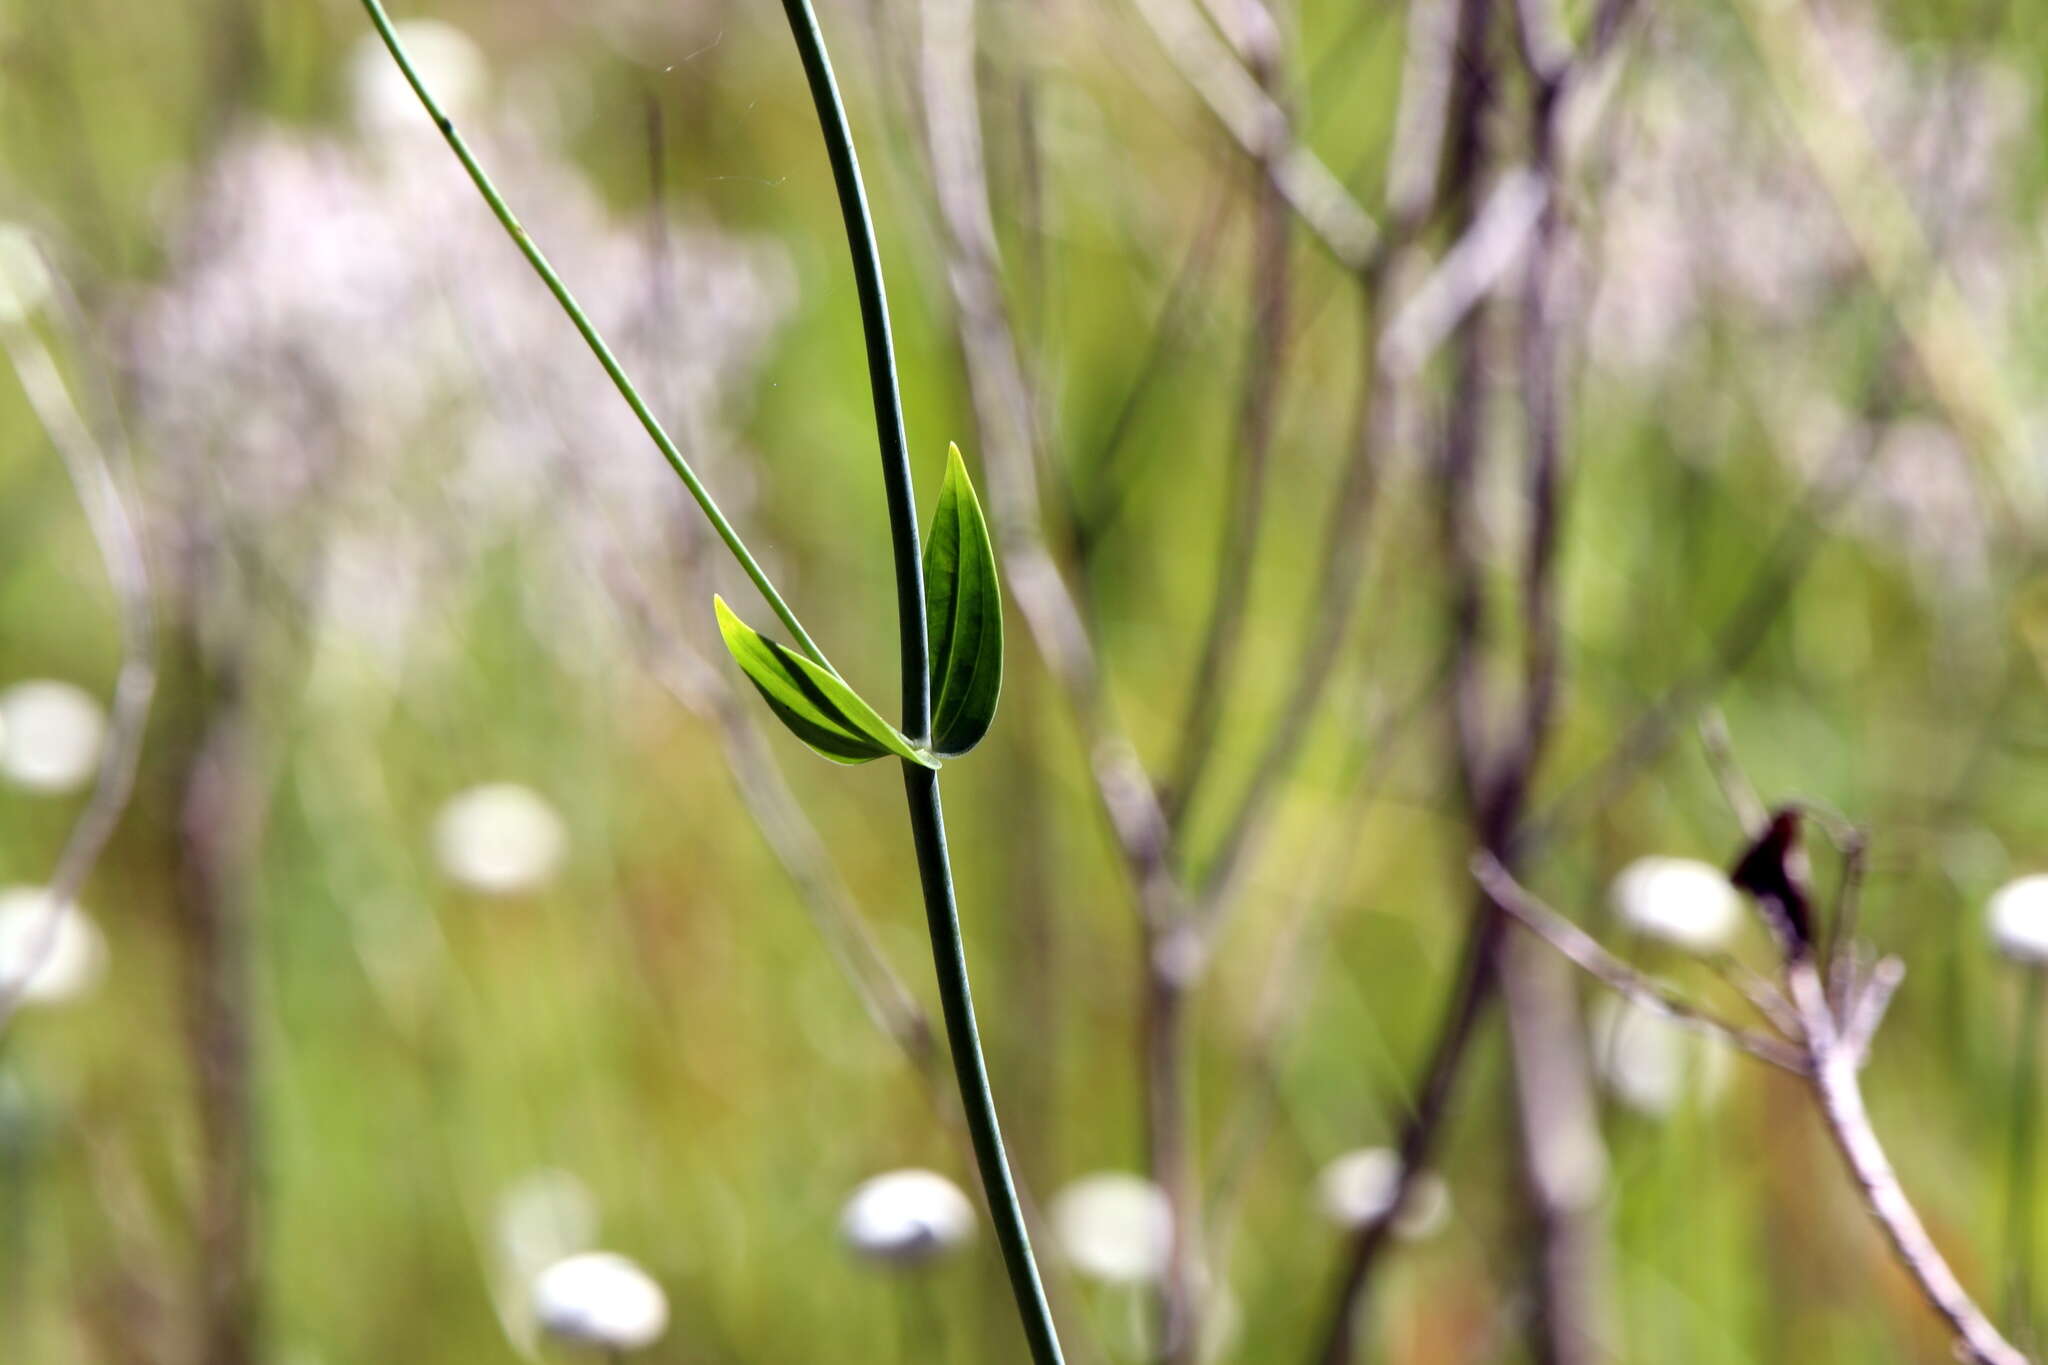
(658, 1014)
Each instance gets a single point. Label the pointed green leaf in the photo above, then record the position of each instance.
(813, 701)
(963, 615)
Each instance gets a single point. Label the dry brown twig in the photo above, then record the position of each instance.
(1586, 953)
(1827, 1047)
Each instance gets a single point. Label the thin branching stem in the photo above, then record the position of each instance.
(1586, 953)
(1834, 1079)
(927, 817)
(592, 338)
(113, 532)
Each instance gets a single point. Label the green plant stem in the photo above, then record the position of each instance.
(539, 261)
(970, 1070)
(927, 817)
(881, 348)
(921, 785)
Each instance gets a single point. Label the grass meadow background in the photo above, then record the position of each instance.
(356, 482)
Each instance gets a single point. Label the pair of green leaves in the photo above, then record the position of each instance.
(964, 623)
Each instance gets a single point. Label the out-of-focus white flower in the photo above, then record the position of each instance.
(500, 839)
(47, 954)
(24, 278)
(2018, 918)
(343, 349)
(1652, 1064)
(1358, 1187)
(1114, 1227)
(602, 1300)
(544, 1217)
(1679, 900)
(907, 1217)
(448, 61)
(50, 735)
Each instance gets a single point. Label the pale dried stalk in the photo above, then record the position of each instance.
(1586, 953)
(1256, 123)
(120, 550)
(1835, 1058)
(1005, 417)
(1829, 1053)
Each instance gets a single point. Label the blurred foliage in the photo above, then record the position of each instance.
(663, 1020)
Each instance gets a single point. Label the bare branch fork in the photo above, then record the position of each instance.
(1265, 132)
(1827, 1046)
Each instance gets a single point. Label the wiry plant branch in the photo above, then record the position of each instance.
(1251, 444)
(1835, 1061)
(1383, 400)
(1834, 1041)
(791, 838)
(1735, 640)
(1257, 123)
(1496, 782)
(1492, 246)
(1585, 952)
(106, 513)
(1465, 155)
(1005, 418)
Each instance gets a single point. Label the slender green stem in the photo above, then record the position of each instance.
(539, 261)
(927, 817)
(874, 316)
(921, 785)
(956, 1003)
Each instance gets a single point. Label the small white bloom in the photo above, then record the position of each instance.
(543, 1217)
(907, 1217)
(24, 278)
(1114, 1227)
(2018, 917)
(1650, 1063)
(500, 838)
(1680, 900)
(47, 954)
(448, 61)
(1357, 1188)
(50, 735)
(600, 1299)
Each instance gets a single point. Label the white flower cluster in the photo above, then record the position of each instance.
(347, 350)
(51, 733)
(1652, 1064)
(1114, 1227)
(48, 953)
(906, 1218)
(1713, 203)
(1680, 901)
(2018, 919)
(553, 1283)
(500, 839)
(1712, 211)
(1358, 1187)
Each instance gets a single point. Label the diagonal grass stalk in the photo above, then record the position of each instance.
(921, 784)
(591, 337)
